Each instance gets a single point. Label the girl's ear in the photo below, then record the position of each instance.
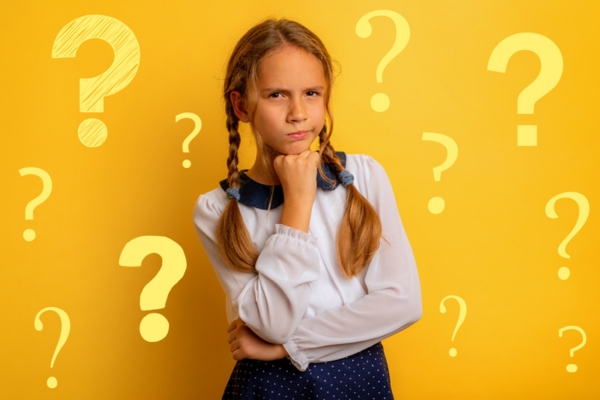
(239, 106)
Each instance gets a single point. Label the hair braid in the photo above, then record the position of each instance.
(233, 238)
(360, 229)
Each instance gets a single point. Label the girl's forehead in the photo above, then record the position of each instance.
(290, 60)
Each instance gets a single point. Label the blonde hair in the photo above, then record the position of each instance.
(360, 229)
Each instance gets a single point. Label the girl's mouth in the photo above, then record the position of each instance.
(299, 135)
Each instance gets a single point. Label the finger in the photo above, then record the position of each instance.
(234, 324)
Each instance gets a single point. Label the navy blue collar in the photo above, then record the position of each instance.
(257, 195)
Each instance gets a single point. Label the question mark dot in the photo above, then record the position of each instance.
(187, 163)
(571, 368)
(52, 382)
(380, 102)
(154, 327)
(436, 205)
(92, 132)
(527, 135)
(29, 235)
(564, 273)
(453, 352)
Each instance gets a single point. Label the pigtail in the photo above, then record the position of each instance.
(360, 230)
(233, 238)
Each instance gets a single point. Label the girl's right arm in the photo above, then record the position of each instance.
(272, 300)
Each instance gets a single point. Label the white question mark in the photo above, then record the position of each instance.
(65, 328)
(29, 234)
(573, 367)
(550, 73)
(461, 317)
(584, 212)
(154, 327)
(191, 136)
(437, 204)
(380, 101)
(93, 132)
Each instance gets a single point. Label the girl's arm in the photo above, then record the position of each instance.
(272, 300)
(393, 299)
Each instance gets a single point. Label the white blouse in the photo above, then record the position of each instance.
(298, 295)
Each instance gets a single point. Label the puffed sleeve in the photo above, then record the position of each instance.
(393, 298)
(272, 300)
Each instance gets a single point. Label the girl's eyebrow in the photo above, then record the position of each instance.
(275, 89)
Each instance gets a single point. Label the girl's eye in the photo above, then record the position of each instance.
(312, 93)
(275, 95)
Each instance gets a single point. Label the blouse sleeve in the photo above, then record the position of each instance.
(393, 299)
(272, 300)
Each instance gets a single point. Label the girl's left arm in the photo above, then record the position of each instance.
(393, 299)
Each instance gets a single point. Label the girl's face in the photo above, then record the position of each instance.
(290, 108)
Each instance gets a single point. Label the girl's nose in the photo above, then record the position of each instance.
(297, 111)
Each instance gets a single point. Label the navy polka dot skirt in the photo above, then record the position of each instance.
(364, 375)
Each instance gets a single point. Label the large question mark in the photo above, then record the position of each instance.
(29, 234)
(154, 327)
(65, 328)
(461, 317)
(191, 136)
(93, 132)
(550, 73)
(436, 204)
(380, 101)
(584, 212)
(573, 367)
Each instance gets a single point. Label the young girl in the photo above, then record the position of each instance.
(308, 246)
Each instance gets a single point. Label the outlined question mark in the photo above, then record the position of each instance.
(29, 234)
(551, 70)
(154, 327)
(380, 102)
(573, 367)
(92, 132)
(437, 204)
(461, 317)
(65, 329)
(197, 126)
(584, 212)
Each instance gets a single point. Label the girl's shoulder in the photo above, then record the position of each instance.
(210, 205)
(361, 165)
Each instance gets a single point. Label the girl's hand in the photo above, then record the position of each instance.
(243, 343)
(297, 174)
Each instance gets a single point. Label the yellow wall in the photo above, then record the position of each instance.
(494, 246)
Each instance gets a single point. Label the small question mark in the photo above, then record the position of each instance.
(191, 136)
(29, 234)
(380, 101)
(550, 73)
(92, 132)
(65, 328)
(461, 317)
(584, 212)
(436, 204)
(573, 367)
(154, 327)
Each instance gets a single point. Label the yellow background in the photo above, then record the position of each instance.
(493, 245)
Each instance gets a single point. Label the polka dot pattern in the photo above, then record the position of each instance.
(363, 376)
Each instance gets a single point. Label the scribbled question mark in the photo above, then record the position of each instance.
(380, 102)
(550, 73)
(191, 136)
(584, 212)
(93, 132)
(154, 327)
(437, 204)
(65, 329)
(29, 234)
(461, 317)
(573, 367)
